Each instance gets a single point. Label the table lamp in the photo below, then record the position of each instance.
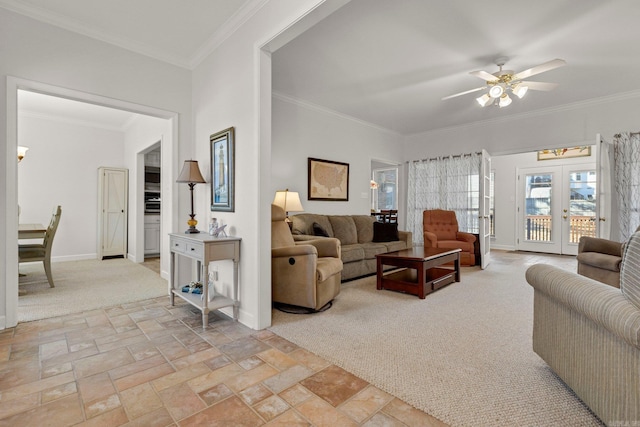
(191, 175)
(289, 201)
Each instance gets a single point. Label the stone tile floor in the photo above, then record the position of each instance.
(150, 364)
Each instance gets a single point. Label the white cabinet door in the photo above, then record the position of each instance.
(112, 212)
(151, 234)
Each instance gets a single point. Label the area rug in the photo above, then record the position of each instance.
(464, 354)
(84, 285)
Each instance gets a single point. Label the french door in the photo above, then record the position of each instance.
(557, 206)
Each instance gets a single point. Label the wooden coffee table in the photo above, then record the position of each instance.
(423, 270)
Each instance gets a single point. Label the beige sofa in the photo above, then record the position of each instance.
(356, 235)
(588, 333)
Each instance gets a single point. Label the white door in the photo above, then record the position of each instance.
(112, 212)
(604, 160)
(484, 216)
(557, 206)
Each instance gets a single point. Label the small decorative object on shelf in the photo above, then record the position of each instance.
(213, 224)
(193, 288)
(219, 231)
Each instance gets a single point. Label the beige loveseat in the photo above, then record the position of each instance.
(356, 235)
(588, 333)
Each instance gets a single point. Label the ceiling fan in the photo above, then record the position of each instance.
(500, 83)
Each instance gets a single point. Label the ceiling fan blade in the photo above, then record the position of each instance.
(488, 77)
(547, 66)
(539, 85)
(464, 93)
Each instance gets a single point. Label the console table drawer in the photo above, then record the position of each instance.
(193, 250)
(178, 246)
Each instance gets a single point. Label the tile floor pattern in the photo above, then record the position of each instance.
(150, 364)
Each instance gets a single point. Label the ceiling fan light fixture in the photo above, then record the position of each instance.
(520, 91)
(496, 91)
(484, 100)
(504, 101)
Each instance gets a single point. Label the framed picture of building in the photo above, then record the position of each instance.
(222, 146)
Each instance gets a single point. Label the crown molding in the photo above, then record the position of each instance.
(247, 10)
(236, 21)
(320, 109)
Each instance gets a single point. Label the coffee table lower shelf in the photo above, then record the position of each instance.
(406, 280)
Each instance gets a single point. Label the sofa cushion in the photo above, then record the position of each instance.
(385, 232)
(630, 270)
(396, 246)
(364, 226)
(303, 224)
(373, 249)
(350, 253)
(344, 229)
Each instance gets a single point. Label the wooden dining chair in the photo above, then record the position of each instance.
(389, 215)
(42, 251)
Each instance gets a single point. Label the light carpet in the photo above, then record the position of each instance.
(84, 285)
(464, 354)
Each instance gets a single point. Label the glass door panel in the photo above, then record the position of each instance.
(580, 217)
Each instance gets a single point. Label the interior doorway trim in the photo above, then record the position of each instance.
(9, 290)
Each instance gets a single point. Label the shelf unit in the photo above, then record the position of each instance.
(203, 249)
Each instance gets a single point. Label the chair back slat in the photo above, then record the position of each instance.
(52, 228)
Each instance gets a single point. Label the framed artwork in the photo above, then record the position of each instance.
(327, 180)
(222, 170)
(564, 153)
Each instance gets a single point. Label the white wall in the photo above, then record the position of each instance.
(232, 87)
(300, 131)
(45, 56)
(61, 168)
(572, 125)
(141, 135)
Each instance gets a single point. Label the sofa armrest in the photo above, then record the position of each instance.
(603, 246)
(430, 239)
(601, 303)
(406, 237)
(465, 237)
(326, 247)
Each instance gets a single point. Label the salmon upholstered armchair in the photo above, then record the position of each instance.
(306, 273)
(440, 229)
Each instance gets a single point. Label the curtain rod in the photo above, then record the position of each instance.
(441, 157)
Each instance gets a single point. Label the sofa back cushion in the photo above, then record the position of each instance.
(303, 224)
(344, 229)
(364, 227)
(630, 269)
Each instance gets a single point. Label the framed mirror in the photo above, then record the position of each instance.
(222, 146)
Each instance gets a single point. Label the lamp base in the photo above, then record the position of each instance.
(192, 225)
(192, 231)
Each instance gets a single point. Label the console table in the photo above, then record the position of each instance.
(204, 249)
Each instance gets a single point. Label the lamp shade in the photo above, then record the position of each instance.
(288, 200)
(190, 173)
(22, 151)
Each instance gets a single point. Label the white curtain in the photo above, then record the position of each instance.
(450, 183)
(626, 155)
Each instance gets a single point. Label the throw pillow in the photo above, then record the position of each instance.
(319, 231)
(385, 232)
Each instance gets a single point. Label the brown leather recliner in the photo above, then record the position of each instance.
(306, 273)
(440, 229)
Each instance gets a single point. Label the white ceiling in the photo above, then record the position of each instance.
(389, 63)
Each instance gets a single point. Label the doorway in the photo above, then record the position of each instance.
(557, 205)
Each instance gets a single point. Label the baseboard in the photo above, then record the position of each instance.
(80, 257)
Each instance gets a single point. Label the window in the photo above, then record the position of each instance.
(385, 196)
